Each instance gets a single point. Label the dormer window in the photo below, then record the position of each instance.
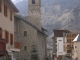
(33, 1)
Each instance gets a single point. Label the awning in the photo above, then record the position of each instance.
(15, 50)
(10, 52)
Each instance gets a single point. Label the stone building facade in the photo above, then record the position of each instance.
(28, 34)
(34, 12)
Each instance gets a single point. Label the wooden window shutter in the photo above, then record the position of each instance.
(7, 36)
(5, 10)
(17, 45)
(0, 5)
(0, 32)
(11, 15)
(11, 39)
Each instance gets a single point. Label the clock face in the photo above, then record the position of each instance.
(33, 1)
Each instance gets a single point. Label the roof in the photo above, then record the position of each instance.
(21, 18)
(11, 5)
(44, 29)
(49, 47)
(77, 38)
(59, 33)
(74, 31)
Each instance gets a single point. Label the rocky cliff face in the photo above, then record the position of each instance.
(58, 13)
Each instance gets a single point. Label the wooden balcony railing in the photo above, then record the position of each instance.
(70, 42)
(68, 47)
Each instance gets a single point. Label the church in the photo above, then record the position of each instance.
(29, 32)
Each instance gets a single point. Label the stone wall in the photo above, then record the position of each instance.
(32, 36)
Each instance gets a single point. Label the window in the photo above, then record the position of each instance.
(17, 59)
(75, 47)
(69, 46)
(68, 40)
(7, 36)
(60, 40)
(11, 38)
(0, 6)
(33, 1)
(25, 33)
(0, 32)
(25, 47)
(5, 10)
(24, 59)
(68, 51)
(11, 15)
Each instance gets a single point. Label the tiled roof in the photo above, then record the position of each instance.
(59, 33)
(77, 38)
(21, 18)
(9, 2)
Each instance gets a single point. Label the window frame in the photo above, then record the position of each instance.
(25, 47)
(7, 36)
(5, 10)
(25, 34)
(11, 39)
(68, 40)
(11, 16)
(68, 51)
(33, 1)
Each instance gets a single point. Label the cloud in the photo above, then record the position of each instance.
(13, 0)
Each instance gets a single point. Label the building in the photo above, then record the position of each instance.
(64, 43)
(69, 43)
(76, 53)
(49, 51)
(59, 39)
(28, 34)
(7, 10)
(34, 12)
(54, 45)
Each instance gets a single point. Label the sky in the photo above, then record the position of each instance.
(16, 1)
(13, 0)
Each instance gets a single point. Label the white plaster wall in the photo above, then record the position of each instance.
(60, 46)
(78, 49)
(74, 51)
(6, 24)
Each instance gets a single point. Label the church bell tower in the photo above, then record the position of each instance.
(34, 12)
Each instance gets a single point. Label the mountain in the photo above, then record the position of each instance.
(55, 13)
(22, 5)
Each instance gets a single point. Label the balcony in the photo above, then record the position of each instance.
(2, 47)
(68, 47)
(70, 36)
(17, 46)
(70, 42)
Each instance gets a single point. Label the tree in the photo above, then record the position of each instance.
(34, 54)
